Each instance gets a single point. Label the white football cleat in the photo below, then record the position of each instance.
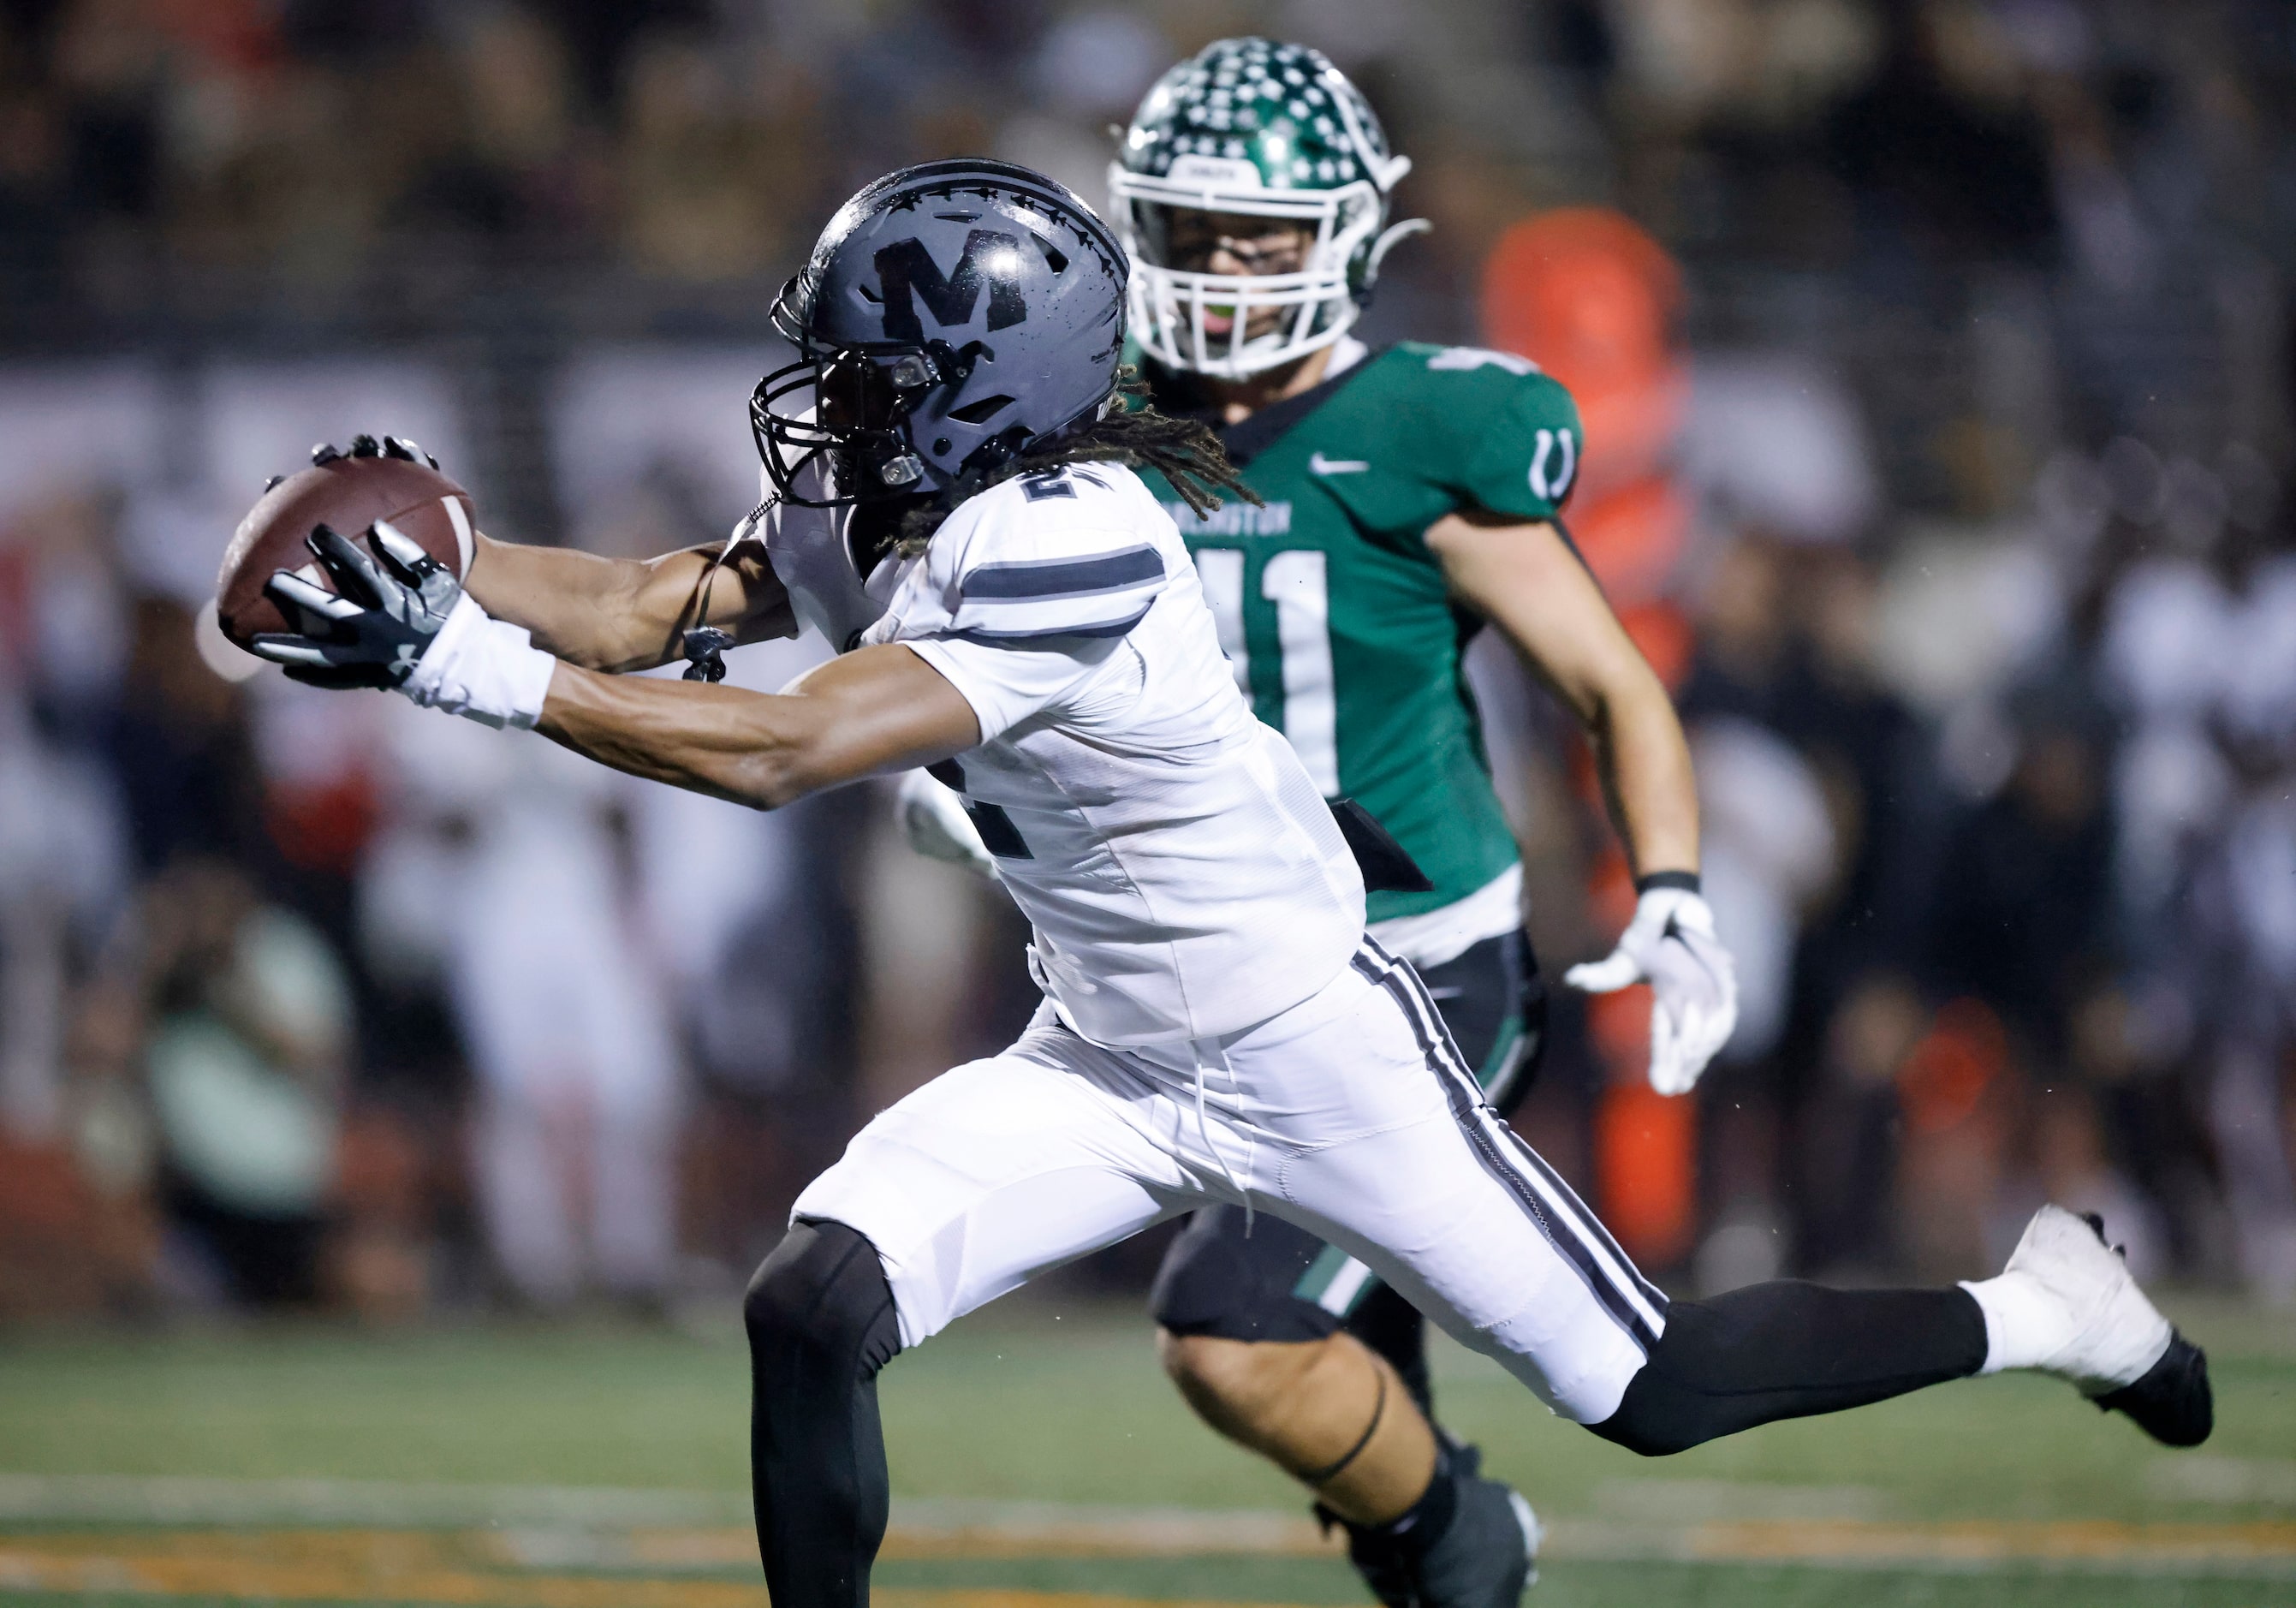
(2085, 1320)
(2111, 1334)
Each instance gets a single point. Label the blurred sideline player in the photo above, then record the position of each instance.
(1409, 497)
(958, 507)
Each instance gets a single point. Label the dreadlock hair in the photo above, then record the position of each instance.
(1184, 451)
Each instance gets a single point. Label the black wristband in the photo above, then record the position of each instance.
(1686, 880)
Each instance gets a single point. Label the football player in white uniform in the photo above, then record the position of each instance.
(1217, 1027)
(1411, 496)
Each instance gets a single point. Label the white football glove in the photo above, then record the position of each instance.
(933, 819)
(1670, 945)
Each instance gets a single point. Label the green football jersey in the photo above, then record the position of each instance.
(1336, 615)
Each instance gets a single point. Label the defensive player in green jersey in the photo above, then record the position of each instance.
(1408, 496)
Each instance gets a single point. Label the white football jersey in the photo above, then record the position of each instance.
(1184, 876)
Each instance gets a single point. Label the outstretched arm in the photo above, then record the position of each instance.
(398, 618)
(876, 710)
(626, 614)
(1529, 583)
(1526, 577)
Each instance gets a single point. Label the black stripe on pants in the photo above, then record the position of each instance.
(1619, 1290)
(1554, 1189)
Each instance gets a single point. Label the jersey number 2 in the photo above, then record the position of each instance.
(1295, 582)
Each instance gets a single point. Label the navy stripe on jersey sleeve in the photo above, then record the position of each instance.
(1042, 579)
(1077, 595)
(1108, 628)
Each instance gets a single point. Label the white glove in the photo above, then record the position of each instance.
(933, 819)
(1670, 945)
(482, 668)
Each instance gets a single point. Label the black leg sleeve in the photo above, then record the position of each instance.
(1788, 1349)
(821, 1322)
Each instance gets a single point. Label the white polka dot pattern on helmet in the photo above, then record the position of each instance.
(1254, 128)
(1283, 107)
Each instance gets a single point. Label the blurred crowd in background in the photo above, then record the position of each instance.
(1937, 366)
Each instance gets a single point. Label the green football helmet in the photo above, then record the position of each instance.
(1265, 129)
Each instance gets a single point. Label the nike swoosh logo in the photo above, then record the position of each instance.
(1317, 463)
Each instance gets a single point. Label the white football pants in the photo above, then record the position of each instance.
(1350, 1115)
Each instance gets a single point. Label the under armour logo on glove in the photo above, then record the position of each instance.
(1671, 946)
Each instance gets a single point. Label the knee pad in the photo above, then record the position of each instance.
(821, 1322)
(821, 1298)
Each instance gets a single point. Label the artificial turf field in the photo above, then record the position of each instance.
(1039, 1462)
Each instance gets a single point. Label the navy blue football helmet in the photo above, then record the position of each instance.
(951, 316)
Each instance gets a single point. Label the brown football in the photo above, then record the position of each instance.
(348, 494)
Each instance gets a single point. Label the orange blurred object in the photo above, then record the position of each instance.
(1645, 1143)
(1664, 637)
(1592, 299)
(235, 35)
(1944, 1076)
(1646, 1160)
(1631, 536)
(67, 1248)
(1953, 1087)
(1588, 294)
(1590, 290)
(325, 825)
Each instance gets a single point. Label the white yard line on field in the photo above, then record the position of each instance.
(694, 1533)
(113, 1499)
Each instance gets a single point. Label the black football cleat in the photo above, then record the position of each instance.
(1486, 1557)
(2172, 1402)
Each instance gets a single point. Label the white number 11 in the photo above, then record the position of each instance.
(1296, 583)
